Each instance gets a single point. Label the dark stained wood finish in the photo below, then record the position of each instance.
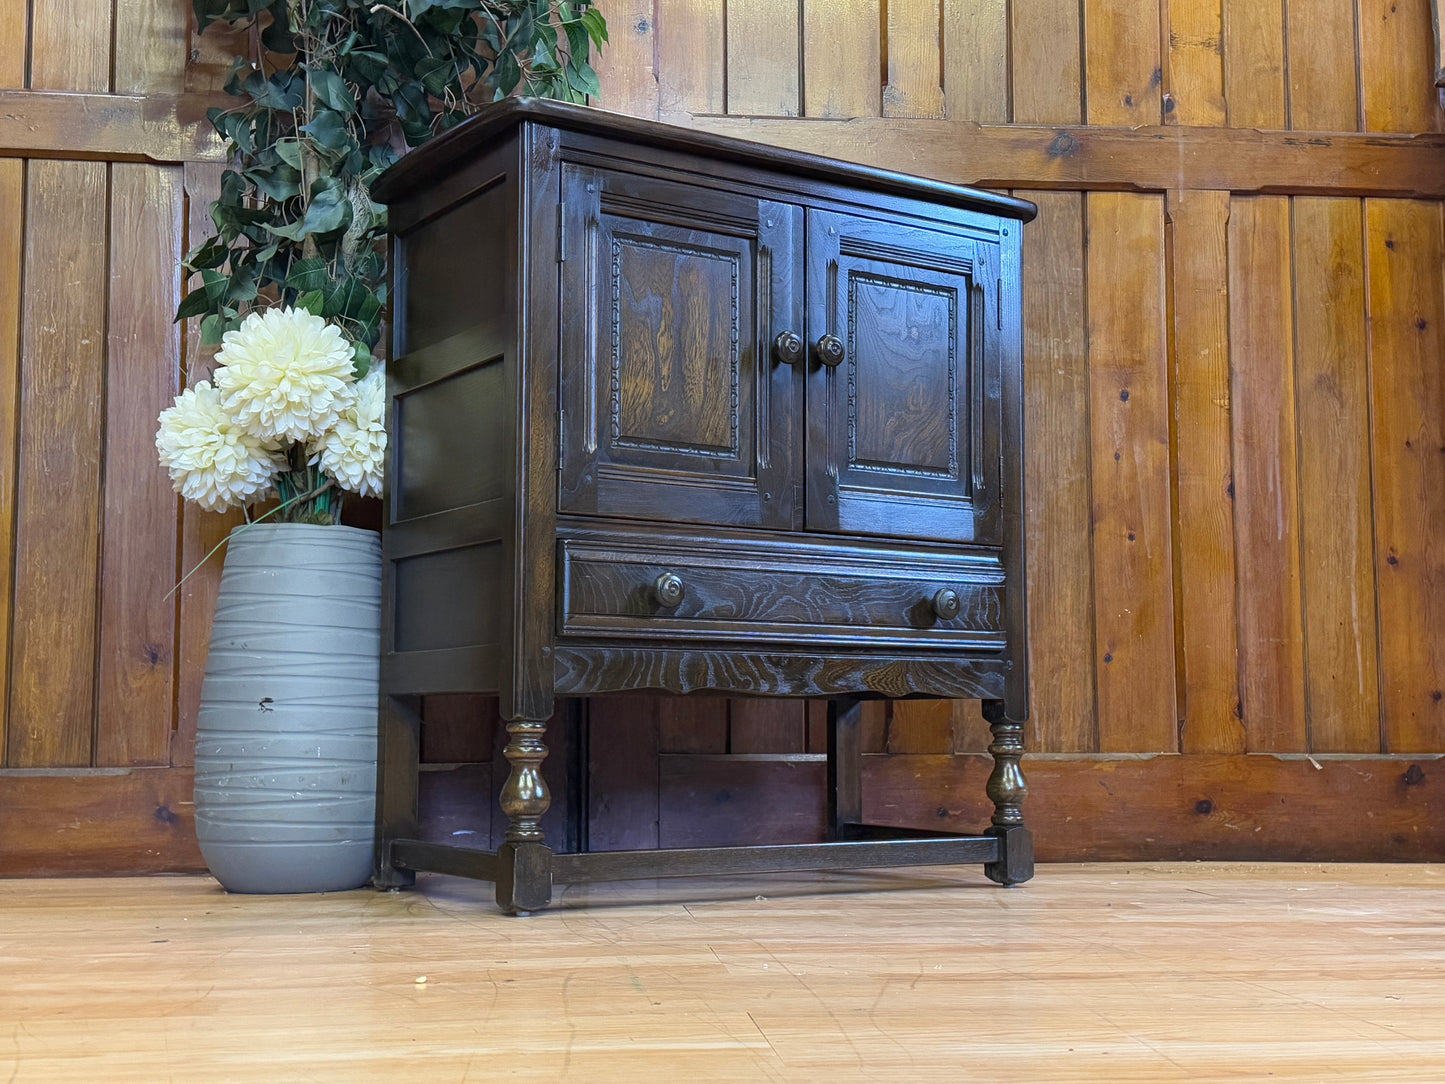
(719, 454)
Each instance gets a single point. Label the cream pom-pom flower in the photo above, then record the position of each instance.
(354, 451)
(285, 374)
(212, 460)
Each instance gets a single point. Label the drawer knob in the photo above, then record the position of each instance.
(946, 603)
(829, 350)
(668, 588)
(788, 347)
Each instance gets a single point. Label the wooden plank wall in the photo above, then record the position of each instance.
(1235, 466)
(1235, 402)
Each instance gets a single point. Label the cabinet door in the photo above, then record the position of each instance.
(902, 389)
(675, 405)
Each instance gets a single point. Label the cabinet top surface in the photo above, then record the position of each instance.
(438, 157)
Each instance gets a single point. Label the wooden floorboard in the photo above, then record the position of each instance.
(1114, 973)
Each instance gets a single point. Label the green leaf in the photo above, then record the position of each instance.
(596, 25)
(583, 79)
(308, 275)
(360, 360)
(312, 302)
(213, 327)
(329, 208)
(329, 130)
(506, 74)
(289, 151)
(193, 304)
(332, 90)
(211, 253)
(280, 184)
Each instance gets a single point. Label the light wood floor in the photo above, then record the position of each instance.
(1088, 973)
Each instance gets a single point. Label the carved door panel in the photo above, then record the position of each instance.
(675, 405)
(903, 397)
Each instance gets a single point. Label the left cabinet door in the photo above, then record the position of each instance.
(676, 405)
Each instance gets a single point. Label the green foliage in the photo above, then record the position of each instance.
(337, 91)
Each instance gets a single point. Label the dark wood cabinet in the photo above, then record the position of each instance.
(677, 412)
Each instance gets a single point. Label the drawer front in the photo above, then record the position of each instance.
(788, 594)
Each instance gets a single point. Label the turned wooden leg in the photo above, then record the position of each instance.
(845, 784)
(524, 875)
(396, 785)
(1007, 790)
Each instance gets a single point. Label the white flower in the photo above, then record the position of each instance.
(285, 374)
(212, 460)
(354, 452)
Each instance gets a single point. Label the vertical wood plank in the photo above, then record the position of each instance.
(1397, 62)
(14, 15)
(1057, 451)
(1129, 410)
(1324, 85)
(692, 724)
(62, 395)
(152, 45)
(1342, 692)
(1266, 492)
(1121, 62)
(1404, 253)
(691, 73)
(1203, 470)
(201, 531)
(1254, 79)
(763, 51)
(921, 726)
(914, 51)
(768, 726)
(975, 60)
(12, 236)
(1045, 38)
(623, 772)
(626, 67)
(70, 44)
(458, 728)
(842, 58)
(143, 349)
(1195, 84)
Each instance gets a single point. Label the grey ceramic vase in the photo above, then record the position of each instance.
(286, 736)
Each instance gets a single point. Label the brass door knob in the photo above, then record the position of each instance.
(946, 603)
(668, 588)
(829, 350)
(788, 347)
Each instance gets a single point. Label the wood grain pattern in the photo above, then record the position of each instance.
(1121, 62)
(921, 726)
(70, 43)
(1397, 62)
(762, 58)
(694, 725)
(1207, 656)
(152, 45)
(724, 801)
(1333, 393)
(767, 726)
(1129, 413)
(89, 822)
(1203, 807)
(1404, 253)
(1056, 422)
(1324, 83)
(58, 492)
(842, 41)
(1045, 39)
(626, 67)
(976, 60)
(1266, 492)
(14, 40)
(200, 531)
(691, 65)
(1194, 82)
(12, 245)
(138, 529)
(914, 59)
(112, 127)
(1254, 63)
(623, 793)
(1155, 158)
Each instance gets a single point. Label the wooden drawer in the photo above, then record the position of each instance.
(613, 586)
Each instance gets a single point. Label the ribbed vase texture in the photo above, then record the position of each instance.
(286, 736)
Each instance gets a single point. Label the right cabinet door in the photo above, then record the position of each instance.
(903, 397)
